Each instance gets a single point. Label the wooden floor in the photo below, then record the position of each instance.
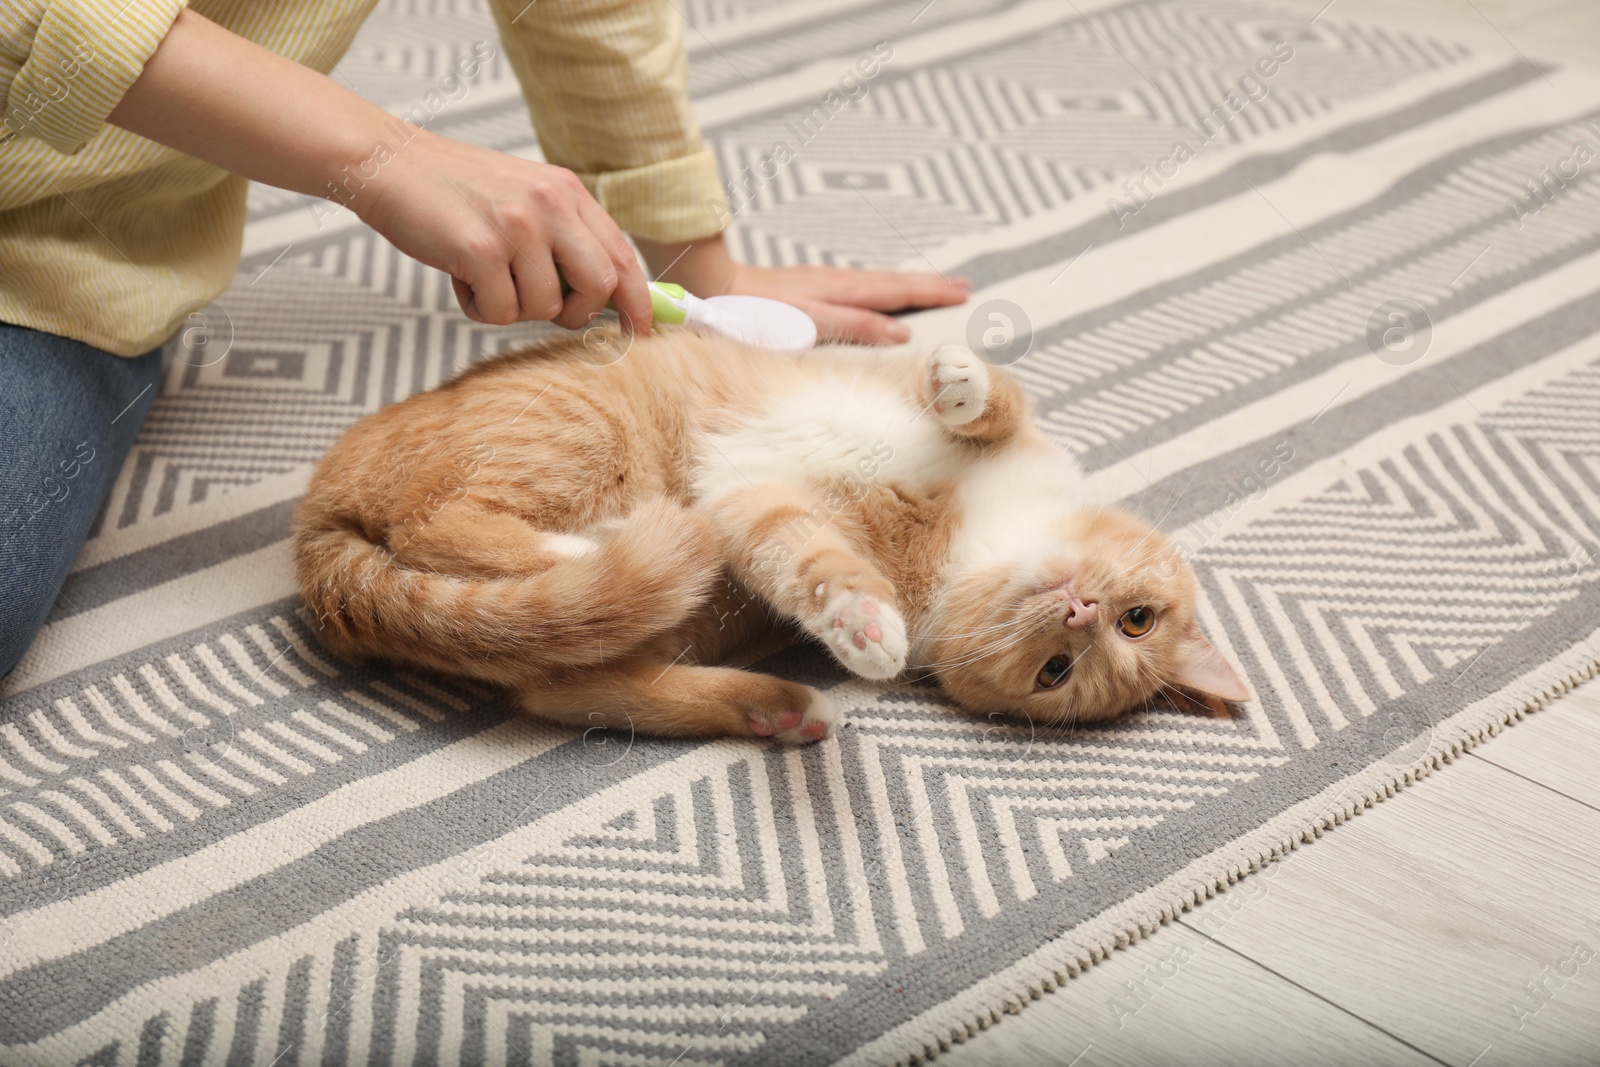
(1455, 923)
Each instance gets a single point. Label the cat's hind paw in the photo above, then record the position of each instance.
(866, 635)
(958, 381)
(815, 723)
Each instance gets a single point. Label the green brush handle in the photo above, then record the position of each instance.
(666, 301)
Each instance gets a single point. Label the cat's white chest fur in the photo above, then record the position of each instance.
(1009, 504)
(867, 433)
(1007, 499)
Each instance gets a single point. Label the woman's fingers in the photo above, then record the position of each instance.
(838, 322)
(590, 275)
(491, 292)
(464, 297)
(631, 297)
(538, 284)
(889, 290)
(874, 290)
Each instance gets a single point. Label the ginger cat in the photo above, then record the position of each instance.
(599, 538)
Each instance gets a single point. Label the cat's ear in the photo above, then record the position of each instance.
(1202, 669)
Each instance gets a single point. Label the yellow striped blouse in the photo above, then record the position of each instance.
(112, 239)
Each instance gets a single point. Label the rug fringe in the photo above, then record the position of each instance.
(1541, 692)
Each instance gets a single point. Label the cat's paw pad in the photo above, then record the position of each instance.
(815, 723)
(867, 635)
(958, 381)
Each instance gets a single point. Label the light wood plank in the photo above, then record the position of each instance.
(1178, 998)
(1558, 747)
(1448, 916)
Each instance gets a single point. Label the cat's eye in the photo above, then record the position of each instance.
(1054, 672)
(1136, 622)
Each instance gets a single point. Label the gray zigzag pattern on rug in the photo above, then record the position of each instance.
(1424, 561)
(1082, 800)
(192, 740)
(1244, 328)
(227, 424)
(530, 937)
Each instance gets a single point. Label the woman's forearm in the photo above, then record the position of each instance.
(216, 96)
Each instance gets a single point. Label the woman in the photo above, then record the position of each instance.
(132, 126)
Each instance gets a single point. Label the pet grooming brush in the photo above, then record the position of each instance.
(755, 320)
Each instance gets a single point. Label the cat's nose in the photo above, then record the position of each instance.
(1081, 612)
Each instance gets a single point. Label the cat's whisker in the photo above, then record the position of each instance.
(1156, 524)
(1154, 529)
(968, 661)
(1005, 626)
(1026, 625)
(1148, 672)
(987, 631)
(964, 660)
(938, 612)
(982, 652)
(973, 631)
(973, 655)
(1135, 546)
(1152, 554)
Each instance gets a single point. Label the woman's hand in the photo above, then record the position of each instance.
(502, 227)
(847, 305)
(507, 231)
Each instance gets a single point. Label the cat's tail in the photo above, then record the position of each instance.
(640, 582)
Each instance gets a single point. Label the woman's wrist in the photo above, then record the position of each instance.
(374, 182)
(704, 267)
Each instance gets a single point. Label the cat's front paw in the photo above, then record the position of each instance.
(814, 723)
(958, 381)
(865, 634)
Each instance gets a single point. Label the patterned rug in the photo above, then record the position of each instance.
(1319, 297)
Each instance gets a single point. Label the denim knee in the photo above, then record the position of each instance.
(68, 416)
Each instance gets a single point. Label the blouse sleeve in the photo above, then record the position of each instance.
(607, 87)
(64, 64)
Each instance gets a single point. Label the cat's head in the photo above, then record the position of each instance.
(1097, 622)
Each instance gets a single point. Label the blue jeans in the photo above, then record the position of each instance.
(68, 416)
